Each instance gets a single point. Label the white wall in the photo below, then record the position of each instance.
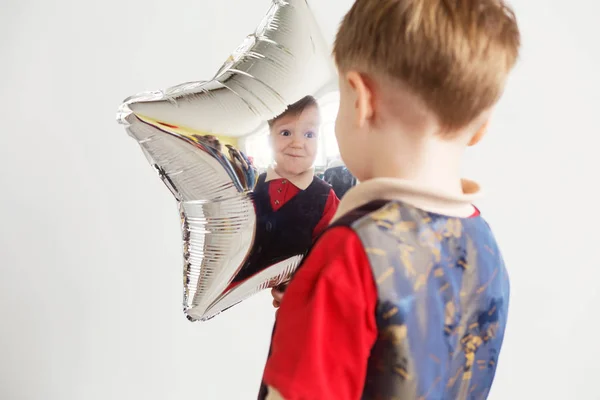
(90, 274)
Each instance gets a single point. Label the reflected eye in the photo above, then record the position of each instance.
(310, 135)
(285, 133)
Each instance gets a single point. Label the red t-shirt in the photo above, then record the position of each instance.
(326, 326)
(282, 190)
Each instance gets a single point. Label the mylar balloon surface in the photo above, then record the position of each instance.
(190, 134)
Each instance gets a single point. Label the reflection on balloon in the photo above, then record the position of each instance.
(190, 134)
(340, 179)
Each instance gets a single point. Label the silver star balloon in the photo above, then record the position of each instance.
(183, 129)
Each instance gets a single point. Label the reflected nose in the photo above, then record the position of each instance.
(297, 142)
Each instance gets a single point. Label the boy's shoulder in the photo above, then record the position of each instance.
(388, 201)
(396, 217)
(397, 228)
(261, 179)
(320, 182)
(358, 213)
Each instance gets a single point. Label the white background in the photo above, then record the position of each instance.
(90, 267)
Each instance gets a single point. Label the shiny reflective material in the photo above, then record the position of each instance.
(190, 134)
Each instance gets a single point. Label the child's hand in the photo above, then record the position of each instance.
(277, 297)
(277, 293)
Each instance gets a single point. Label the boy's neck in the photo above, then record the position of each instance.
(424, 159)
(290, 176)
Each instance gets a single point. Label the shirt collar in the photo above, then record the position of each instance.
(420, 196)
(301, 181)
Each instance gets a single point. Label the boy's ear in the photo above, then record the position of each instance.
(479, 134)
(362, 94)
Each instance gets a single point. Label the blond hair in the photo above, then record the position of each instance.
(455, 55)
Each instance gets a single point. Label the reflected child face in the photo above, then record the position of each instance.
(294, 140)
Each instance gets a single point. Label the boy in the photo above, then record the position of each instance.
(405, 295)
(292, 205)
